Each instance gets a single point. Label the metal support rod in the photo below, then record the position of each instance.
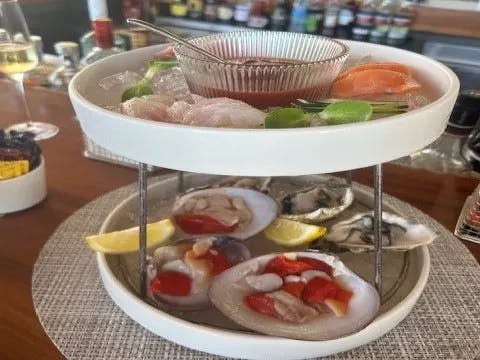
(142, 211)
(180, 182)
(377, 227)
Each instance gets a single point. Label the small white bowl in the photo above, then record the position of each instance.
(24, 191)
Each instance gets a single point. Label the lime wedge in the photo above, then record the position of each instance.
(345, 112)
(124, 241)
(286, 118)
(289, 233)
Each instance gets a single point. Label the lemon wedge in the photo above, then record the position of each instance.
(293, 233)
(124, 241)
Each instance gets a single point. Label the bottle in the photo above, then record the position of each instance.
(39, 75)
(398, 33)
(97, 9)
(315, 13)
(178, 8)
(346, 18)
(103, 31)
(195, 9)
(225, 12)
(298, 16)
(69, 52)
(382, 22)
(364, 22)
(241, 12)
(210, 10)
(279, 18)
(258, 15)
(131, 9)
(330, 18)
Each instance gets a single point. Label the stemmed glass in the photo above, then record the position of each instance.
(17, 56)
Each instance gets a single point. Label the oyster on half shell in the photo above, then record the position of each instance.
(230, 289)
(316, 203)
(398, 233)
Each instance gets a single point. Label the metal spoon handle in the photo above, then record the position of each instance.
(175, 38)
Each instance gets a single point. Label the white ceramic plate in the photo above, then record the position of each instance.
(211, 332)
(273, 152)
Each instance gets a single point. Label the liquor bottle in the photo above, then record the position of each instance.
(225, 12)
(298, 16)
(210, 10)
(178, 8)
(195, 8)
(258, 15)
(346, 18)
(103, 31)
(40, 74)
(97, 9)
(330, 18)
(241, 12)
(279, 18)
(314, 21)
(364, 21)
(69, 52)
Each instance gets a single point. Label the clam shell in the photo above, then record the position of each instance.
(399, 233)
(263, 208)
(234, 250)
(229, 289)
(343, 195)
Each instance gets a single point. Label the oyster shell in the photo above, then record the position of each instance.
(262, 208)
(175, 258)
(397, 233)
(229, 289)
(316, 203)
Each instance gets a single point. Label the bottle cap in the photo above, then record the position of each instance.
(66, 48)
(103, 32)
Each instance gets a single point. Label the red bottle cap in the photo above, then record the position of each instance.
(103, 32)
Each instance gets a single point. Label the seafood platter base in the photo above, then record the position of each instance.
(405, 275)
(263, 152)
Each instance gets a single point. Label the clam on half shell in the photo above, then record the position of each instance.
(263, 208)
(398, 233)
(171, 258)
(228, 290)
(316, 203)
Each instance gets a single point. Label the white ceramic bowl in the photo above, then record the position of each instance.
(24, 191)
(238, 344)
(272, 152)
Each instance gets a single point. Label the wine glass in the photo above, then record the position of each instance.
(17, 56)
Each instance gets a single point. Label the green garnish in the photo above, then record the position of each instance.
(345, 112)
(144, 86)
(286, 118)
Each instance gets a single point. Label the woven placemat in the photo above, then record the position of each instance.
(84, 323)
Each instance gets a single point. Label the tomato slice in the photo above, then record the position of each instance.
(282, 266)
(343, 295)
(219, 261)
(318, 289)
(171, 283)
(317, 265)
(294, 288)
(261, 303)
(202, 224)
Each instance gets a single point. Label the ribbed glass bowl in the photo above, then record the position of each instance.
(301, 66)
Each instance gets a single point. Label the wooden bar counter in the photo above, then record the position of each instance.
(74, 180)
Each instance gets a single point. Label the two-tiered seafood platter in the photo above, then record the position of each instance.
(238, 278)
